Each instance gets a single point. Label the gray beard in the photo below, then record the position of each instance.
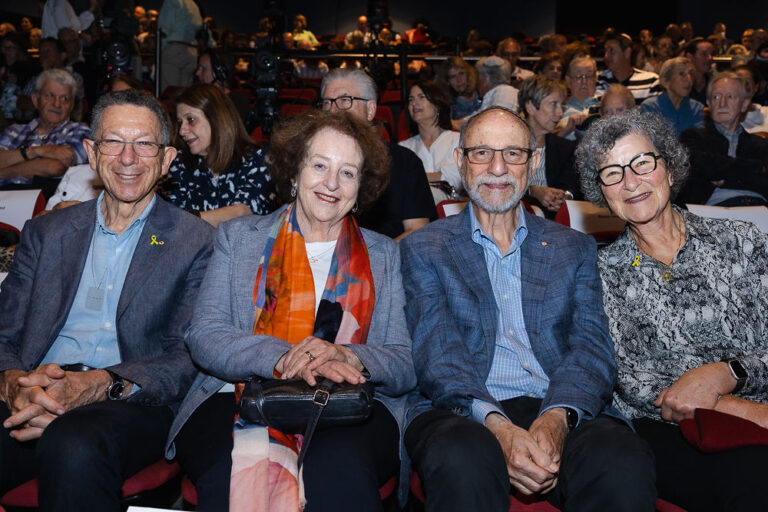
(479, 200)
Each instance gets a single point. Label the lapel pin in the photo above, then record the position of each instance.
(155, 242)
(544, 244)
(636, 263)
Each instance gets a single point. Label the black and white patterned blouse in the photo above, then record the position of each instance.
(198, 189)
(711, 303)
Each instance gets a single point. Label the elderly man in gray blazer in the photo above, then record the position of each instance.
(92, 316)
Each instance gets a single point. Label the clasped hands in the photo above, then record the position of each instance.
(313, 357)
(38, 397)
(698, 388)
(533, 455)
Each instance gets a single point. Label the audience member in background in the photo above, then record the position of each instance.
(619, 70)
(35, 35)
(581, 80)
(49, 144)
(673, 32)
(302, 33)
(493, 74)
(704, 344)
(663, 49)
(7, 28)
(554, 178)
(756, 118)
(218, 173)
(509, 49)
(53, 55)
(15, 71)
(76, 62)
(616, 100)
(728, 164)
(720, 31)
(457, 77)
(419, 33)
(361, 37)
(639, 57)
(674, 103)
(58, 14)
(406, 204)
(476, 46)
(645, 38)
(213, 68)
(550, 66)
(123, 82)
(686, 30)
(428, 113)
(93, 313)
(717, 44)
(699, 51)
(179, 20)
(552, 43)
(759, 37)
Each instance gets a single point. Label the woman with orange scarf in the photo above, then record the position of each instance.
(301, 293)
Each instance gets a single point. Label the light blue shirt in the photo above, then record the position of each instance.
(515, 371)
(89, 335)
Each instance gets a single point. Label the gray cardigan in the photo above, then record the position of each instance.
(220, 336)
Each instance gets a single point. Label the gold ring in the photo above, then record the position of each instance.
(309, 354)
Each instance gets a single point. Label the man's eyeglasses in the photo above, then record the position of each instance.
(342, 102)
(644, 163)
(111, 147)
(585, 78)
(484, 155)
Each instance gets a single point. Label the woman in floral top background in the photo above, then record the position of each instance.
(218, 173)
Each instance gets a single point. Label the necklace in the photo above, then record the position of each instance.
(666, 275)
(315, 256)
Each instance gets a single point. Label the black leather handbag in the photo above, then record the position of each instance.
(295, 407)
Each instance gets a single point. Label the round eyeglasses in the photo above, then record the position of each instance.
(644, 163)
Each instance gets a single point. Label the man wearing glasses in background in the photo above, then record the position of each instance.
(511, 348)
(92, 317)
(581, 79)
(406, 205)
(48, 145)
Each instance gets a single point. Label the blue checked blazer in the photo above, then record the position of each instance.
(452, 316)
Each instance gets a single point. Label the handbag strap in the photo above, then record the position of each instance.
(319, 401)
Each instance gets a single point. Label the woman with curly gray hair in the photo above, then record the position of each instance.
(686, 299)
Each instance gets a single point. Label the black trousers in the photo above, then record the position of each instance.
(84, 455)
(604, 466)
(731, 480)
(343, 469)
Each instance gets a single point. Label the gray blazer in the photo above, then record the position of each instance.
(220, 337)
(155, 303)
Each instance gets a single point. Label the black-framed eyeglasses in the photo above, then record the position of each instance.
(484, 155)
(644, 163)
(112, 147)
(341, 102)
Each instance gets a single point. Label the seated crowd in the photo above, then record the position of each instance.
(510, 358)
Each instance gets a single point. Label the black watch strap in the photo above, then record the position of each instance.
(23, 151)
(571, 418)
(116, 388)
(738, 372)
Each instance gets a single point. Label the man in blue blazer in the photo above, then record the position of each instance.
(511, 348)
(92, 317)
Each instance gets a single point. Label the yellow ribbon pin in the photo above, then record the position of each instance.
(155, 242)
(636, 263)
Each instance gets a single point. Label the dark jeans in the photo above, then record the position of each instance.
(343, 469)
(731, 480)
(604, 465)
(84, 455)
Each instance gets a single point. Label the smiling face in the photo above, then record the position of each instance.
(545, 118)
(495, 187)
(328, 182)
(637, 199)
(194, 128)
(421, 110)
(127, 177)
